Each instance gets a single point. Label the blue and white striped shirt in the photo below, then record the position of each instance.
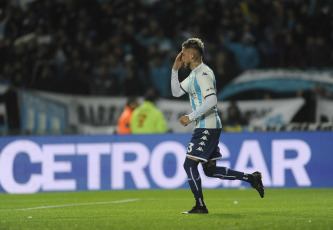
(199, 85)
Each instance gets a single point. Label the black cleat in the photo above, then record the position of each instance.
(256, 183)
(197, 210)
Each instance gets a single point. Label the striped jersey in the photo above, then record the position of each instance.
(199, 85)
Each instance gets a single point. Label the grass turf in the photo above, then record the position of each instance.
(159, 209)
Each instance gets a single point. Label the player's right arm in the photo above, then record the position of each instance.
(176, 87)
(178, 62)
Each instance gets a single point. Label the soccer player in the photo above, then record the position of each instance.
(203, 147)
(125, 117)
(147, 118)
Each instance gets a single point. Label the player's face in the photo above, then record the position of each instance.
(186, 58)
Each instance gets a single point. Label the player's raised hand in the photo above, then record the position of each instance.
(178, 62)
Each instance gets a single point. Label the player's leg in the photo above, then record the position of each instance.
(212, 170)
(225, 173)
(194, 180)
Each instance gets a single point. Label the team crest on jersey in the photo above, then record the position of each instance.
(200, 149)
(204, 73)
(204, 138)
(202, 143)
(206, 132)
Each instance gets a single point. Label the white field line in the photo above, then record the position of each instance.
(119, 201)
(71, 205)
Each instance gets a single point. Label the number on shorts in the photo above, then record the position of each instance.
(189, 148)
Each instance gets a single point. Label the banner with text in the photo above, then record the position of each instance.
(89, 114)
(116, 162)
(93, 115)
(267, 112)
(40, 115)
(3, 119)
(3, 111)
(324, 110)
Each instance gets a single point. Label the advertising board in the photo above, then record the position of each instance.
(117, 162)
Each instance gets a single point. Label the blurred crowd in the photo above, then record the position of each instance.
(123, 47)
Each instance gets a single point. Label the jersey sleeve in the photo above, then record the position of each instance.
(206, 83)
(176, 89)
(208, 103)
(184, 85)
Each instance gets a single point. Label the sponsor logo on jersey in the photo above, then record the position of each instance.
(200, 149)
(202, 143)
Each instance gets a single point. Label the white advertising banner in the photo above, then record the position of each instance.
(3, 112)
(3, 119)
(324, 111)
(90, 115)
(270, 112)
(95, 115)
(258, 113)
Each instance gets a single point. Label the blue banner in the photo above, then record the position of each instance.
(115, 162)
(277, 80)
(40, 115)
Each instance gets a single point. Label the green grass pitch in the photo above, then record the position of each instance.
(159, 209)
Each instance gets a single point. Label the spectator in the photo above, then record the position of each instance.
(300, 34)
(160, 76)
(245, 52)
(132, 85)
(68, 35)
(290, 53)
(269, 50)
(147, 118)
(235, 121)
(310, 50)
(104, 83)
(125, 117)
(321, 53)
(225, 70)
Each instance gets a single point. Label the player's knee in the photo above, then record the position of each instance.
(209, 168)
(209, 171)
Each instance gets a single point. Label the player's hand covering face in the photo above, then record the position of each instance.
(178, 62)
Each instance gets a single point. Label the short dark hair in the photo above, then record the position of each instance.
(194, 43)
(151, 95)
(130, 100)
